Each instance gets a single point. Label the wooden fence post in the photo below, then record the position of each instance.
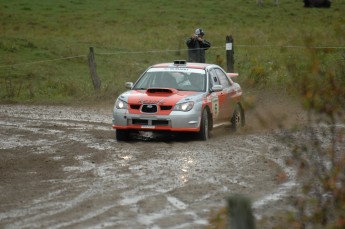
(230, 53)
(92, 65)
(240, 214)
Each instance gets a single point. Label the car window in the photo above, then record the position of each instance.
(146, 80)
(214, 78)
(181, 80)
(196, 81)
(164, 80)
(224, 80)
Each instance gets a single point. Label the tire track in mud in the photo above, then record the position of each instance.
(92, 181)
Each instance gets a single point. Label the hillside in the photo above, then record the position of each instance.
(44, 45)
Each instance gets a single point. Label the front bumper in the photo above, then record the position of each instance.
(175, 121)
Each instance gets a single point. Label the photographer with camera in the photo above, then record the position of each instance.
(196, 46)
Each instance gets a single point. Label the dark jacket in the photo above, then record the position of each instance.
(196, 50)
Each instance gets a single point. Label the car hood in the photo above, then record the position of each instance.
(161, 96)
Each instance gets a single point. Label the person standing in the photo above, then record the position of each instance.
(197, 46)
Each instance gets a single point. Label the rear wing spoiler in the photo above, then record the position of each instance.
(232, 75)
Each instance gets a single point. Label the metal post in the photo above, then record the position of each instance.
(230, 53)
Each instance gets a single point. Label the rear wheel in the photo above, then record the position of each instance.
(204, 132)
(236, 119)
(122, 135)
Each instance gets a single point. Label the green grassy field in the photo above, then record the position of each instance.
(44, 44)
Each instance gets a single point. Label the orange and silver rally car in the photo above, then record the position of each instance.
(179, 97)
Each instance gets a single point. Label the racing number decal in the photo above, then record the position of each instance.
(215, 105)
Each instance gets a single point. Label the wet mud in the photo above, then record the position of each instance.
(61, 167)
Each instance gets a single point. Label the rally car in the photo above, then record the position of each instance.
(179, 97)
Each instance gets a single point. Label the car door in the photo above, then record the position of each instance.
(218, 98)
(228, 103)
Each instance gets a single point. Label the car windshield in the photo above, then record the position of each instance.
(183, 80)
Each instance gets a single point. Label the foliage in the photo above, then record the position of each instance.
(49, 41)
(319, 149)
(218, 219)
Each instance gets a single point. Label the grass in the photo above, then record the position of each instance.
(44, 45)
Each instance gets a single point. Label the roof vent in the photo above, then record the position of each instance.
(180, 62)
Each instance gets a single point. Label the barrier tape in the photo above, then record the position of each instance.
(175, 50)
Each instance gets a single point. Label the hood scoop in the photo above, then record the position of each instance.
(161, 91)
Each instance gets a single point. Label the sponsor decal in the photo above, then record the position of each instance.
(148, 127)
(215, 105)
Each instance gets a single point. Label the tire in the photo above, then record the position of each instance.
(236, 119)
(122, 135)
(204, 132)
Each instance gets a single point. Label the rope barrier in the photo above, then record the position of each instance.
(294, 46)
(222, 47)
(174, 50)
(42, 61)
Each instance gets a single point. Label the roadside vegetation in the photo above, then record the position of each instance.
(44, 45)
(318, 149)
(295, 50)
(317, 153)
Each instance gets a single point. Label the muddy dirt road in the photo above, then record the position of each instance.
(61, 167)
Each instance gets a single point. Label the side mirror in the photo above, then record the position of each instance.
(217, 88)
(129, 85)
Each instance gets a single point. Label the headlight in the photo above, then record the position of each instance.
(121, 104)
(187, 106)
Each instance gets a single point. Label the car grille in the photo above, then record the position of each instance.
(165, 108)
(135, 106)
(146, 122)
(148, 109)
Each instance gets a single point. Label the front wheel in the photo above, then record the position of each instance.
(204, 132)
(122, 135)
